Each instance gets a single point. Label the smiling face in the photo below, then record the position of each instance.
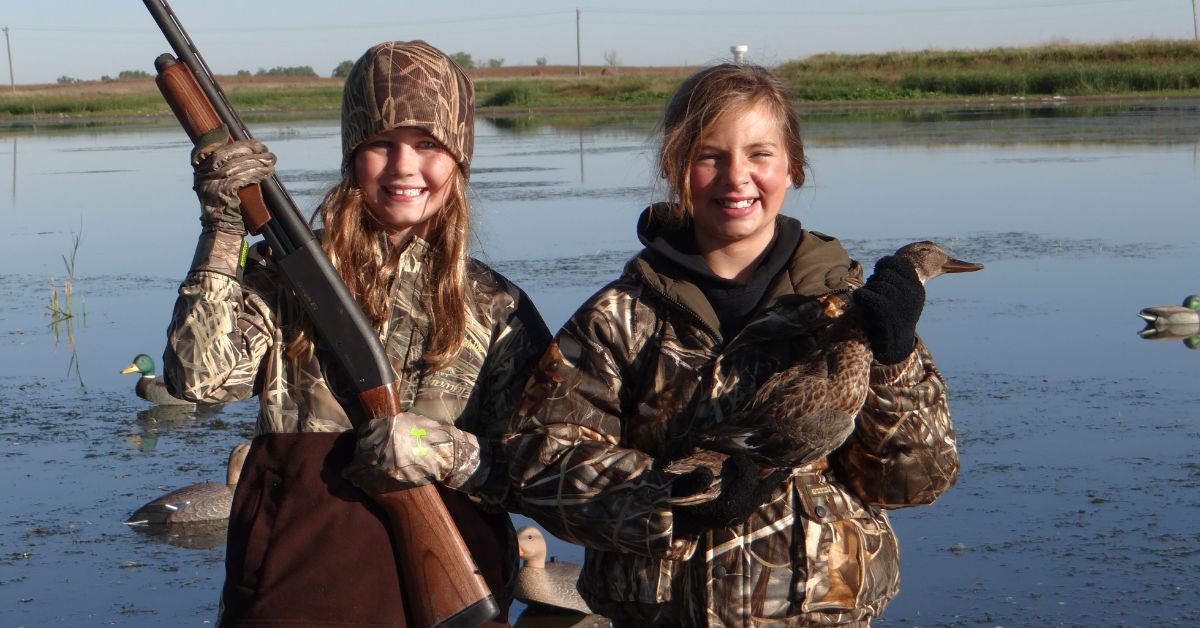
(738, 179)
(405, 177)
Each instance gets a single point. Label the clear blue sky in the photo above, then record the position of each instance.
(86, 39)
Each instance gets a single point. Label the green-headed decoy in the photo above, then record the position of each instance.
(1173, 322)
(149, 386)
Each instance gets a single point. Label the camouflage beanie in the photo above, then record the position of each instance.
(409, 84)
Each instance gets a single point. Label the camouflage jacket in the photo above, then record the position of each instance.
(227, 341)
(641, 368)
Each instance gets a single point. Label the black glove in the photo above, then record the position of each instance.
(742, 492)
(891, 303)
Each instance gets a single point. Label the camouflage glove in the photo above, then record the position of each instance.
(222, 168)
(410, 450)
(891, 303)
(743, 491)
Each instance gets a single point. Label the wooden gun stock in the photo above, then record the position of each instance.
(442, 585)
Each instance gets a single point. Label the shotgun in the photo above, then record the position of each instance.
(442, 585)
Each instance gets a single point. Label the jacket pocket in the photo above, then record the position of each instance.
(852, 556)
(251, 528)
(610, 577)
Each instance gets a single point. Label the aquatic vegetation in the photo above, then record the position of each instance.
(62, 308)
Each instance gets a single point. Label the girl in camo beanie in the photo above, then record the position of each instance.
(306, 544)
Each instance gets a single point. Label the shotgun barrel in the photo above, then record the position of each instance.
(442, 585)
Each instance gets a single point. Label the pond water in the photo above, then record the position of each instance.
(1079, 497)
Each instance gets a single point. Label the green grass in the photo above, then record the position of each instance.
(1067, 70)
(590, 92)
(1136, 68)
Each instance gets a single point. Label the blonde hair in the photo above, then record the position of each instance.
(705, 97)
(367, 262)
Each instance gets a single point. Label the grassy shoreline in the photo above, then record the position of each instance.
(1156, 68)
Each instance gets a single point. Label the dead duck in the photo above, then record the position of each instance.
(206, 501)
(807, 410)
(1173, 322)
(545, 581)
(149, 386)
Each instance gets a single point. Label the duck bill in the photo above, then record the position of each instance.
(958, 266)
(132, 368)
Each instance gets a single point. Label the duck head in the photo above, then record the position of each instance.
(142, 363)
(237, 458)
(930, 260)
(531, 546)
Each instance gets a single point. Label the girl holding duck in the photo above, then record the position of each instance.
(616, 445)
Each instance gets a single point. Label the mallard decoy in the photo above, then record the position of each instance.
(206, 501)
(1173, 322)
(807, 410)
(149, 386)
(542, 581)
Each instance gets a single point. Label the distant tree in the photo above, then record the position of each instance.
(541, 61)
(343, 69)
(243, 72)
(610, 59)
(279, 70)
(106, 78)
(128, 74)
(495, 63)
(464, 59)
(67, 80)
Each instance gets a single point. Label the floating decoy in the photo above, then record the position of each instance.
(807, 410)
(206, 501)
(1173, 322)
(149, 386)
(545, 581)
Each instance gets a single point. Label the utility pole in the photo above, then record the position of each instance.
(579, 49)
(1195, 23)
(12, 82)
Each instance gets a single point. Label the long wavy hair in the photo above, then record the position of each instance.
(705, 97)
(360, 250)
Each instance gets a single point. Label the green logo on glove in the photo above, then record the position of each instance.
(420, 449)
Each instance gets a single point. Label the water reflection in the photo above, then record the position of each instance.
(202, 535)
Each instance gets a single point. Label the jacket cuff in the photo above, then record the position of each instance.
(220, 252)
(465, 473)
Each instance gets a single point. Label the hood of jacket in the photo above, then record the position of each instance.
(818, 265)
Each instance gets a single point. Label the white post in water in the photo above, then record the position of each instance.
(739, 51)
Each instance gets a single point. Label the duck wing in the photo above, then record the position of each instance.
(154, 390)
(207, 501)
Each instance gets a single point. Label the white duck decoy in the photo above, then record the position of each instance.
(206, 501)
(807, 410)
(546, 581)
(149, 386)
(1173, 322)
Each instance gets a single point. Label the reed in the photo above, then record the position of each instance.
(62, 309)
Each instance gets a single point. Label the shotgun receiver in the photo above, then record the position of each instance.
(442, 585)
